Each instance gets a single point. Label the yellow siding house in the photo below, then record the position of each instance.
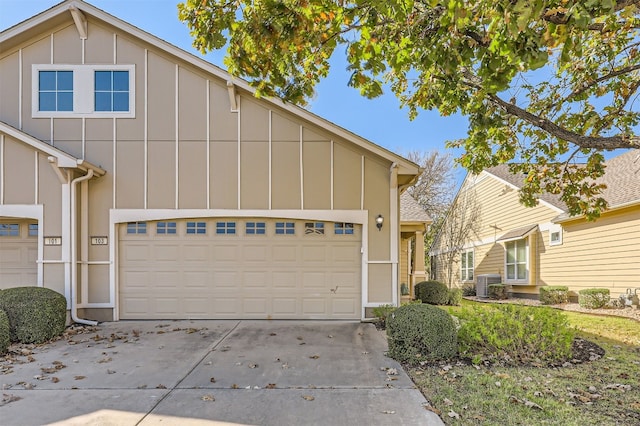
(533, 247)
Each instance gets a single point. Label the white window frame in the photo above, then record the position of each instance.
(555, 229)
(83, 91)
(464, 271)
(527, 263)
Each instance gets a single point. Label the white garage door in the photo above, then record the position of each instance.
(232, 268)
(18, 253)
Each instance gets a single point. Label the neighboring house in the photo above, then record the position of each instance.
(143, 182)
(414, 222)
(543, 245)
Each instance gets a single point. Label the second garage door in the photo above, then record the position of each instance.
(18, 253)
(240, 268)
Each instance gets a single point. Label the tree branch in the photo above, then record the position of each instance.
(587, 85)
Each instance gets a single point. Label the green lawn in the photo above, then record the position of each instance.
(601, 392)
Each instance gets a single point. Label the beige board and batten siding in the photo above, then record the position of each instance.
(185, 148)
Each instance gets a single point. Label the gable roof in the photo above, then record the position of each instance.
(411, 211)
(55, 155)
(622, 178)
(62, 13)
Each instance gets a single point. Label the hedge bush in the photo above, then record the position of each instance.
(554, 295)
(593, 298)
(36, 314)
(418, 332)
(469, 290)
(515, 335)
(382, 313)
(432, 292)
(497, 291)
(455, 297)
(5, 339)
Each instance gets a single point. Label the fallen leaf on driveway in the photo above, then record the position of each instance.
(142, 387)
(161, 387)
(392, 372)
(79, 377)
(234, 386)
(388, 412)
(314, 356)
(300, 338)
(432, 409)
(7, 398)
(212, 380)
(103, 360)
(330, 336)
(270, 386)
(253, 365)
(55, 379)
(272, 334)
(308, 397)
(208, 398)
(111, 372)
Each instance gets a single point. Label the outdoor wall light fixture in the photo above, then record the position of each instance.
(379, 221)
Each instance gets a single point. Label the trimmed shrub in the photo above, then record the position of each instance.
(497, 291)
(5, 339)
(36, 314)
(433, 292)
(382, 313)
(468, 290)
(419, 332)
(554, 295)
(593, 298)
(515, 335)
(455, 297)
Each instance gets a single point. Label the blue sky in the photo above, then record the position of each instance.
(379, 120)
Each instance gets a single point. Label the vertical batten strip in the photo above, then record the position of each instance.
(270, 156)
(362, 183)
(82, 49)
(51, 119)
(331, 175)
(301, 172)
(177, 165)
(208, 173)
(84, 138)
(239, 139)
(20, 91)
(146, 128)
(115, 152)
(37, 178)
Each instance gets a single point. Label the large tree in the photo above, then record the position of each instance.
(547, 85)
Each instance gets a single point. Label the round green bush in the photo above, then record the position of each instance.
(5, 339)
(455, 297)
(36, 314)
(418, 332)
(593, 298)
(433, 293)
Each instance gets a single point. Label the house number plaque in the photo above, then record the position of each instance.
(99, 241)
(52, 241)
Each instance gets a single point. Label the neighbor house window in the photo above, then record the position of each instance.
(555, 236)
(33, 229)
(343, 228)
(55, 90)
(285, 228)
(166, 228)
(517, 264)
(9, 230)
(255, 228)
(199, 228)
(316, 228)
(466, 263)
(111, 91)
(137, 228)
(83, 91)
(225, 228)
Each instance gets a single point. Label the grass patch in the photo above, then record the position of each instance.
(605, 391)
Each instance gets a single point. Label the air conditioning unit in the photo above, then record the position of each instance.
(483, 281)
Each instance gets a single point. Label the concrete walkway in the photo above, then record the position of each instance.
(212, 372)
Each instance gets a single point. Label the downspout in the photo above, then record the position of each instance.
(395, 234)
(74, 250)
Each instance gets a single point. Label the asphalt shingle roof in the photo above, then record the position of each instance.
(410, 210)
(622, 177)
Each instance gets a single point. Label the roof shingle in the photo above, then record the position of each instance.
(411, 211)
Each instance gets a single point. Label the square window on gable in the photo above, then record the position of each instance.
(111, 91)
(55, 90)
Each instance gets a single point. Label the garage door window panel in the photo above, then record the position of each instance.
(196, 228)
(225, 228)
(166, 228)
(285, 228)
(343, 228)
(255, 228)
(9, 230)
(33, 230)
(136, 228)
(314, 228)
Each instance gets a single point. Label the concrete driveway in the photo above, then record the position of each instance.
(212, 372)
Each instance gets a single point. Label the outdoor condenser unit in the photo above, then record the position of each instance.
(483, 281)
